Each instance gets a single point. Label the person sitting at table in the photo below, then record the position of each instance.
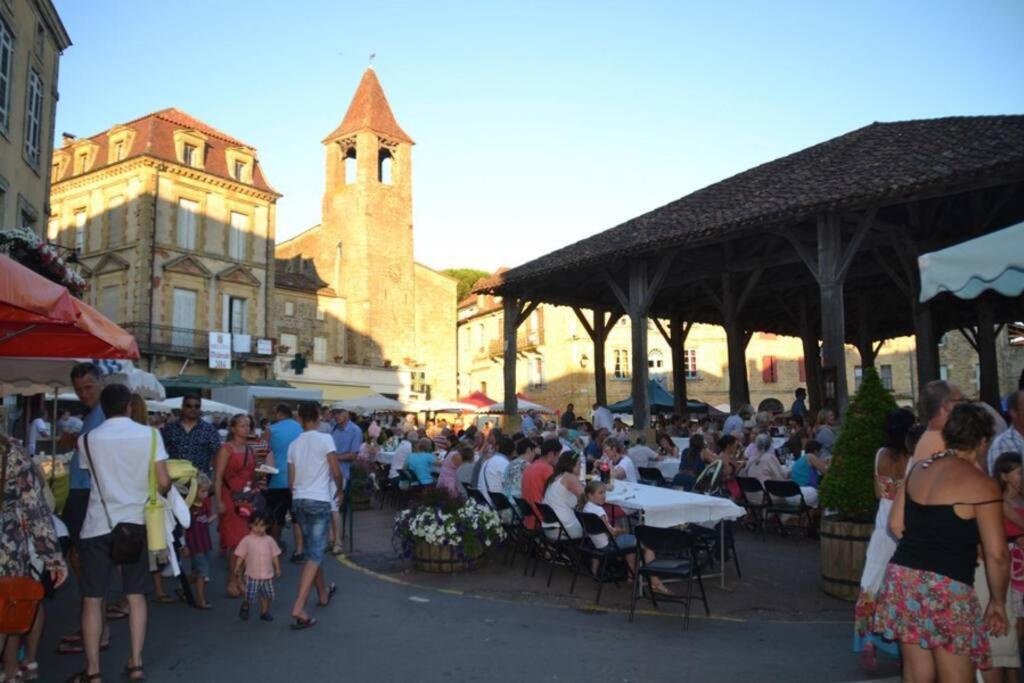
(464, 475)
(512, 480)
(448, 478)
(641, 454)
(562, 493)
(622, 466)
(763, 465)
(728, 447)
(595, 447)
(808, 469)
(691, 464)
(401, 453)
(667, 447)
(421, 461)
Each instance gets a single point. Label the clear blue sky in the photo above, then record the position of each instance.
(538, 123)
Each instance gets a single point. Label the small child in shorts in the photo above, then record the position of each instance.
(198, 541)
(258, 553)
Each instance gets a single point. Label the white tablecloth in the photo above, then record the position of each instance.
(665, 508)
(683, 442)
(669, 467)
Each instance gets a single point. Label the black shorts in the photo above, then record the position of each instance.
(74, 511)
(279, 502)
(98, 569)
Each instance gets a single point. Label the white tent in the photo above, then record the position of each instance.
(28, 376)
(994, 261)
(524, 406)
(209, 407)
(370, 403)
(438, 406)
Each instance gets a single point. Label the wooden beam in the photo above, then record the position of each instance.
(900, 283)
(804, 252)
(988, 369)
(715, 299)
(584, 322)
(511, 325)
(665, 334)
(748, 290)
(525, 310)
(971, 336)
(652, 287)
(617, 291)
(863, 227)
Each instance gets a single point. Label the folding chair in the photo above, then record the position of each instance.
(651, 476)
(511, 522)
(532, 536)
(676, 559)
(781, 495)
(560, 550)
(476, 496)
(710, 480)
(754, 500)
(610, 558)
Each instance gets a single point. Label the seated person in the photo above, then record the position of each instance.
(666, 447)
(421, 461)
(691, 464)
(595, 493)
(809, 468)
(641, 454)
(401, 453)
(464, 474)
(622, 466)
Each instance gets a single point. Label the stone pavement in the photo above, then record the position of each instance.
(389, 623)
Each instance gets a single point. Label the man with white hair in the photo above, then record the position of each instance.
(734, 423)
(1012, 440)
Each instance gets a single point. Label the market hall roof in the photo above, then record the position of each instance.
(369, 110)
(153, 135)
(881, 163)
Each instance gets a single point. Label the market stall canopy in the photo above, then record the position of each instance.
(478, 399)
(991, 262)
(439, 406)
(40, 319)
(370, 403)
(209, 406)
(662, 402)
(29, 376)
(525, 405)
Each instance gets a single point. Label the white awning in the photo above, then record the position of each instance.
(371, 403)
(991, 262)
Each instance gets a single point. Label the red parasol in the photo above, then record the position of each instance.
(40, 319)
(478, 399)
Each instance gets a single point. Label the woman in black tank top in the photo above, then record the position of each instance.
(927, 601)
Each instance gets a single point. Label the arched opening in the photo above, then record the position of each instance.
(384, 163)
(350, 165)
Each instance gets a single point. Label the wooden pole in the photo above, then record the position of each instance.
(812, 356)
(833, 323)
(600, 374)
(988, 368)
(680, 330)
(926, 346)
(638, 322)
(865, 343)
(511, 325)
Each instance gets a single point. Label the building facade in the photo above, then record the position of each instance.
(398, 334)
(555, 364)
(173, 222)
(32, 39)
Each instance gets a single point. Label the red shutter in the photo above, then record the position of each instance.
(802, 364)
(766, 369)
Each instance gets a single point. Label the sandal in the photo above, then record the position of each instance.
(134, 673)
(203, 605)
(164, 599)
(115, 613)
(243, 611)
(330, 594)
(301, 623)
(82, 677)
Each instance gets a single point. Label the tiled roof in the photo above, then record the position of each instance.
(880, 163)
(154, 136)
(295, 274)
(370, 110)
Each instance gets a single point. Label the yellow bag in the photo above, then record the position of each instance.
(184, 473)
(156, 530)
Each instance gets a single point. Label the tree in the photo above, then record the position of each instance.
(467, 277)
(849, 486)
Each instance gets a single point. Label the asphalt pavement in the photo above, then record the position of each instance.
(380, 629)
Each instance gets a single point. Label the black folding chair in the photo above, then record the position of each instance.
(781, 495)
(409, 487)
(476, 495)
(754, 500)
(610, 558)
(710, 479)
(531, 536)
(652, 476)
(676, 559)
(511, 522)
(560, 550)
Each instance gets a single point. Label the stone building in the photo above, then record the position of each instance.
(555, 360)
(32, 39)
(398, 333)
(173, 221)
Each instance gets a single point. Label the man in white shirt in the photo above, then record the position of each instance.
(641, 454)
(603, 418)
(117, 455)
(312, 468)
(39, 429)
(492, 475)
(1012, 440)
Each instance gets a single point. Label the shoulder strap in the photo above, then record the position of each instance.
(152, 466)
(96, 480)
(3, 476)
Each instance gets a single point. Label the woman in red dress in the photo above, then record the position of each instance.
(234, 480)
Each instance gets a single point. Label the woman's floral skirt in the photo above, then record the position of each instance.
(931, 611)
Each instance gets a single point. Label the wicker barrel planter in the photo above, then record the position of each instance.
(443, 559)
(844, 546)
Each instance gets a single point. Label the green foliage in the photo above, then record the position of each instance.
(849, 486)
(467, 277)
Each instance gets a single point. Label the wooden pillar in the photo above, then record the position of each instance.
(731, 304)
(987, 364)
(926, 344)
(675, 336)
(865, 342)
(812, 356)
(637, 302)
(511, 325)
(598, 333)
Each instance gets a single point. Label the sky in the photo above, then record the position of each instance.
(537, 123)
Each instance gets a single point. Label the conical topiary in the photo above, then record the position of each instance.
(849, 486)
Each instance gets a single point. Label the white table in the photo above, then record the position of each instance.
(669, 467)
(683, 442)
(666, 508)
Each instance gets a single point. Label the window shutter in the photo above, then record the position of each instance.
(802, 365)
(766, 369)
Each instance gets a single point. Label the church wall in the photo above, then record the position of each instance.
(435, 330)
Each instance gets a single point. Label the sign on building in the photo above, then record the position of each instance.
(241, 343)
(220, 351)
(264, 347)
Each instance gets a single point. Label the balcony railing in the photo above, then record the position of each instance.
(525, 341)
(183, 342)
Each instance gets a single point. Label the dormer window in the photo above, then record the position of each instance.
(119, 143)
(188, 155)
(119, 150)
(240, 161)
(240, 171)
(81, 162)
(190, 148)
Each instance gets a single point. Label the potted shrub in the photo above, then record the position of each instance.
(446, 535)
(848, 490)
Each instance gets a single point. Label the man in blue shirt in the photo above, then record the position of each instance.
(282, 432)
(799, 407)
(348, 437)
(192, 438)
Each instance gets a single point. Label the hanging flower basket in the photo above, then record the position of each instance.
(446, 535)
(25, 247)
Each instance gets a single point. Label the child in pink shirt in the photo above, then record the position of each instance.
(258, 553)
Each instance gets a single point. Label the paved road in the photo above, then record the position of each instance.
(382, 631)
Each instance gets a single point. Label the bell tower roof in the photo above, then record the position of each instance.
(369, 110)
